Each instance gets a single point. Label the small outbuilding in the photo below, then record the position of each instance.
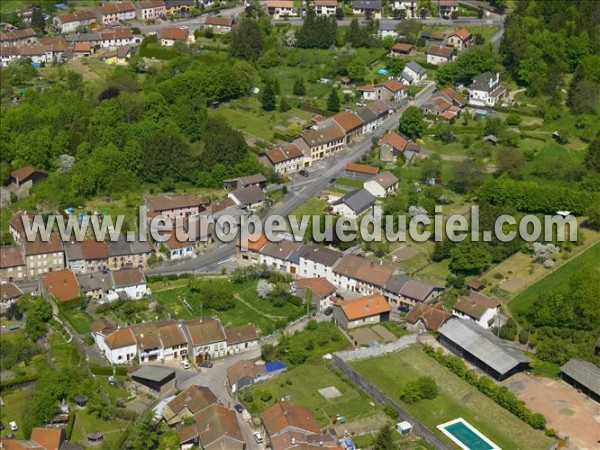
(583, 376)
(158, 380)
(80, 401)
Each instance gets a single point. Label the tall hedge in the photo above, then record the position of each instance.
(534, 198)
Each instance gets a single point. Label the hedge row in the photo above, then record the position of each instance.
(170, 277)
(531, 197)
(108, 370)
(70, 423)
(17, 382)
(500, 394)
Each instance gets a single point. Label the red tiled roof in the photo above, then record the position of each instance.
(347, 120)
(361, 307)
(62, 284)
(84, 47)
(93, 249)
(219, 21)
(48, 438)
(120, 338)
(284, 152)
(25, 172)
(463, 33)
(283, 415)
(440, 50)
(395, 140)
(175, 34)
(319, 286)
(432, 316)
(393, 85)
(361, 168)
(402, 48)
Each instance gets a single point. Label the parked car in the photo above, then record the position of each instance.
(112, 380)
(304, 173)
(332, 180)
(185, 364)
(328, 311)
(239, 408)
(13, 426)
(206, 364)
(258, 437)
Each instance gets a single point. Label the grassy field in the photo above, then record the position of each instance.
(353, 404)
(314, 205)
(456, 399)
(555, 280)
(85, 423)
(14, 408)
(80, 320)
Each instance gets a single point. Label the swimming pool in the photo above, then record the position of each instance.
(382, 71)
(466, 436)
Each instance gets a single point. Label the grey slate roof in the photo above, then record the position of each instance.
(583, 372)
(417, 289)
(119, 248)
(94, 281)
(396, 283)
(483, 344)
(358, 201)
(73, 251)
(249, 195)
(482, 82)
(387, 26)
(154, 373)
(366, 114)
(415, 67)
(366, 4)
(321, 255)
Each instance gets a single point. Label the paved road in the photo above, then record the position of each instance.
(319, 178)
(198, 22)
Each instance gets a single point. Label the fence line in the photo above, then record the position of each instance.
(369, 352)
(381, 398)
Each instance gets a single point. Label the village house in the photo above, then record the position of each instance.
(241, 338)
(16, 225)
(130, 283)
(175, 205)
(287, 426)
(278, 9)
(389, 90)
(95, 255)
(8, 55)
(362, 275)
(179, 7)
(360, 171)
(71, 22)
(285, 158)
(318, 290)
(486, 91)
(215, 427)
(413, 73)
(477, 307)
(169, 36)
(173, 340)
(317, 261)
(382, 185)
(12, 264)
(219, 24)
(280, 255)
(460, 39)
(244, 373)
(439, 54)
(405, 292)
(120, 56)
(433, 37)
(325, 7)
(387, 29)
(257, 179)
(117, 345)
(400, 49)
(322, 142)
(149, 346)
(110, 13)
(9, 294)
(92, 38)
(353, 204)
(410, 8)
(42, 438)
(422, 318)
(391, 146)
(126, 254)
(447, 8)
(361, 311)
(382, 109)
(369, 119)
(116, 37)
(348, 121)
(150, 10)
(82, 49)
(16, 38)
(370, 8)
(206, 338)
(249, 198)
(43, 257)
(97, 286)
(60, 285)
(249, 250)
(188, 403)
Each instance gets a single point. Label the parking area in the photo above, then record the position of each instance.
(567, 411)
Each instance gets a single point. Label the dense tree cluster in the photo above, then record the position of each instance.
(362, 35)
(317, 32)
(423, 388)
(544, 41)
(466, 67)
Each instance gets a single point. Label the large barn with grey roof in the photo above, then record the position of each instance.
(582, 375)
(496, 357)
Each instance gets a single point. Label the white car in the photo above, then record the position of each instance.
(13, 426)
(185, 364)
(258, 437)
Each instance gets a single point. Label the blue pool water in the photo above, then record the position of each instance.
(465, 435)
(382, 71)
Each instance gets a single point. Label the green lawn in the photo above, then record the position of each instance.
(85, 423)
(555, 280)
(63, 354)
(14, 408)
(353, 404)
(457, 398)
(351, 182)
(312, 206)
(80, 320)
(247, 291)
